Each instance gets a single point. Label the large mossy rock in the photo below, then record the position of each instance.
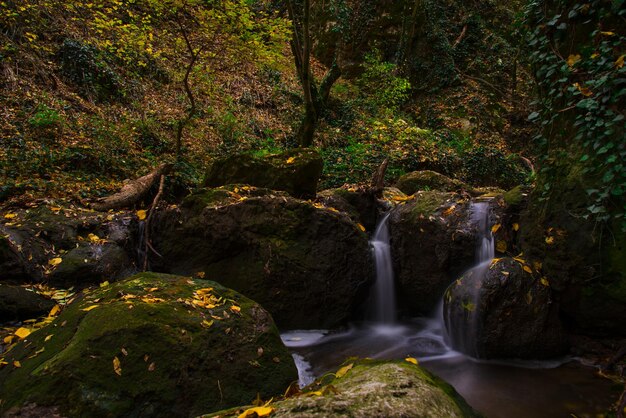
(372, 389)
(428, 180)
(18, 304)
(432, 243)
(151, 345)
(585, 260)
(504, 309)
(308, 265)
(295, 171)
(67, 246)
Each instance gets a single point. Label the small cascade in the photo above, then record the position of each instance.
(462, 326)
(384, 296)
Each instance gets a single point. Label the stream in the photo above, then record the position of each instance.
(508, 389)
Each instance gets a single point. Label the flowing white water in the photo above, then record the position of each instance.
(384, 296)
(462, 330)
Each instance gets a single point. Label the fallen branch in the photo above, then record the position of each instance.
(460, 38)
(378, 179)
(148, 244)
(131, 192)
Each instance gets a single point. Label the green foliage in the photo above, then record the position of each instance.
(578, 54)
(383, 88)
(45, 118)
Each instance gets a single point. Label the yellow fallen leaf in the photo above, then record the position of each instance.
(10, 216)
(290, 160)
(55, 208)
(55, 310)
(527, 269)
(544, 281)
(22, 333)
(104, 284)
(87, 309)
(361, 227)
(549, 240)
(411, 360)
(619, 63)
(235, 308)
(449, 211)
(8, 339)
(608, 33)
(207, 324)
(515, 227)
(537, 265)
(316, 393)
(495, 228)
(17, 364)
(572, 60)
(93, 238)
(141, 214)
(48, 337)
(117, 367)
(345, 369)
(501, 246)
(151, 367)
(2, 362)
(55, 261)
(257, 411)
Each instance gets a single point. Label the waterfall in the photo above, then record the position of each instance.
(384, 296)
(462, 328)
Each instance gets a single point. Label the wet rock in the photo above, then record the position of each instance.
(309, 266)
(18, 304)
(151, 345)
(295, 171)
(35, 236)
(11, 264)
(504, 309)
(432, 243)
(428, 180)
(90, 264)
(359, 203)
(375, 389)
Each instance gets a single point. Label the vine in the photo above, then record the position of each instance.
(578, 60)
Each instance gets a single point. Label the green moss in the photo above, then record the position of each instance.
(427, 203)
(170, 362)
(514, 196)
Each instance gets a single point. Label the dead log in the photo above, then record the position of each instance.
(378, 179)
(133, 191)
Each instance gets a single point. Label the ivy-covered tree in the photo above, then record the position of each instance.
(578, 50)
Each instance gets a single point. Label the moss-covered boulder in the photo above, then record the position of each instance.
(67, 245)
(310, 266)
(583, 258)
(295, 171)
(150, 345)
(18, 303)
(504, 310)
(432, 243)
(373, 389)
(428, 180)
(359, 203)
(91, 263)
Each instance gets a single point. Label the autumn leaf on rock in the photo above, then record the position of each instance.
(87, 309)
(345, 369)
(495, 228)
(22, 333)
(290, 160)
(55, 310)
(141, 214)
(17, 364)
(572, 60)
(411, 360)
(257, 411)
(501, 246)
(55, 261)
(117, 367)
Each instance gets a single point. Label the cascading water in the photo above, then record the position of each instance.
(462, 326)
(384, 296)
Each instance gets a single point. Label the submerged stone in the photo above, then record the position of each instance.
(374, 389)
(150, 345)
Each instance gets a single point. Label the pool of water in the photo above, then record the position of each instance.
(508, 389)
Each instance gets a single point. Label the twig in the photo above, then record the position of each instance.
(148, 245)
(621, 405)
(220, 388)
(460, 38)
